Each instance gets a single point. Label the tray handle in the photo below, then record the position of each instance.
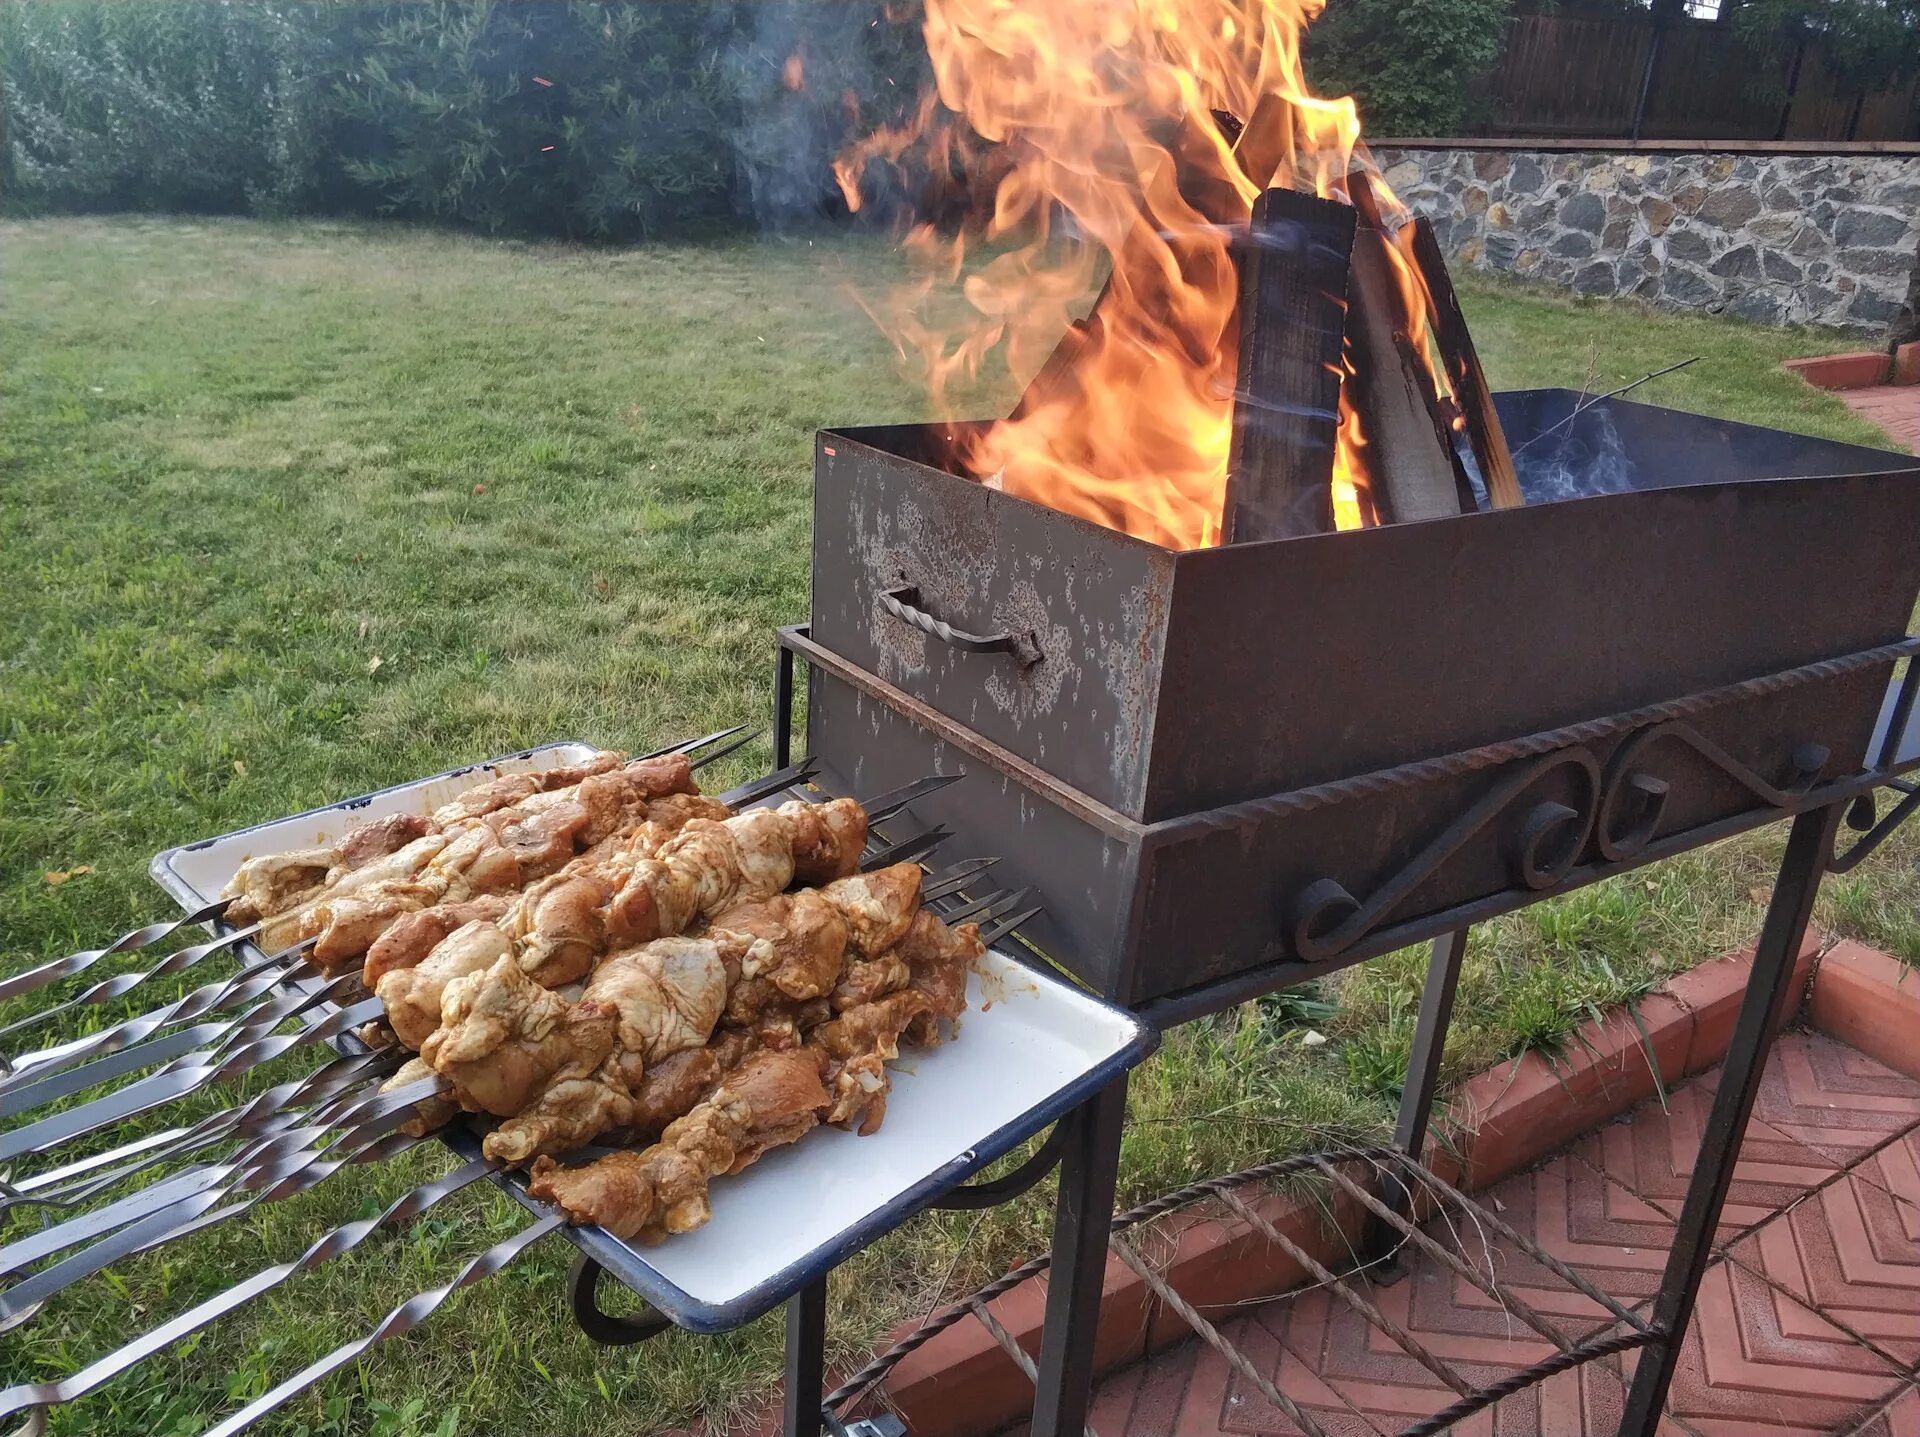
(583, 1296)
(903, 602)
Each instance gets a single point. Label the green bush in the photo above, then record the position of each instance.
(1407, 62)
(165, 104)
(580, 118)
(597, 119)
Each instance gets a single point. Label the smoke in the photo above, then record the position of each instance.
(1576, 460)
(809, 77)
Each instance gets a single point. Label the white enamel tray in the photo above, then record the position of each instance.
(1031, 1048)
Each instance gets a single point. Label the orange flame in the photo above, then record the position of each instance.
(1085, 136)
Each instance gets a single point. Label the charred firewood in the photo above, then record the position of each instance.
(1413, 469)
(1286, 412)
(1464, 374)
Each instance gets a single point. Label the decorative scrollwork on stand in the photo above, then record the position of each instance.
(1638, 799)
(1619, 813)
(1327, 919)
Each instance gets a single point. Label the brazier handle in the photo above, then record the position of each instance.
(903, 603)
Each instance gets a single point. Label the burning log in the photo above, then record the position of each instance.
(1464, 374)
(1414, 470)
(1286, 412)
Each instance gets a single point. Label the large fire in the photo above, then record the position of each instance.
(1106, 134)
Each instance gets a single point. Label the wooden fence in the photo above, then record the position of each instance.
(1631, 76)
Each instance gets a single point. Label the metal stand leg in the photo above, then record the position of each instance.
(1780, 938)
(1082, 1220)
(783, 708)
(1423, 1076)
(806, 1360)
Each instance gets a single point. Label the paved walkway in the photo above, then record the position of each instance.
(1808, 1319)
(1894, 409)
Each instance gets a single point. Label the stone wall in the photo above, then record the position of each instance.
(1779, 238)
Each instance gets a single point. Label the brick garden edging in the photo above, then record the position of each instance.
(1870, 1001)
(961, 1384)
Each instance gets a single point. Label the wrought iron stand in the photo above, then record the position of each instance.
(1626, 811)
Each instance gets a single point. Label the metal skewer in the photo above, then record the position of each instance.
(1006, 926)
(336, 1243)
(147, 936)
(355, 1116)
(247, 982)
(182, 1079)
(149, 1224)
(404, 1318)
(243, 986)
(321, 1096)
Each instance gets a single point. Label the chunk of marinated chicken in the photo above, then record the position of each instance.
(870, 980)
(413, 996)
(776, 1021)
(540, 834)
(828, 839)
(771, 1099)
(475, 861)
(407, 943)
(796, 941)
(570, 1111)
(503, 1039)
(358, 907)
(276, 882)
(667, 995)
(377, 839)
(432, 1113)
(618, 1094)
(344, 928)
(660, 1190)
(708, 864)
(878, 907)
(939, 959)
(677, 1084)
(630, 796)
(857, 1045)
(556, 927)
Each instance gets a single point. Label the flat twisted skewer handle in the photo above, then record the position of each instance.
(316, 1097)
(268, 1162)
(404, 1318)
(328, 1246)
(108, 989)
(179, 1081)
(249, 983)
(127, 942)
(193, 1211)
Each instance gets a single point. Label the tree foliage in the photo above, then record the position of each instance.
(1407, 62)
(174, 104)
(588, 118)
(1866, 44)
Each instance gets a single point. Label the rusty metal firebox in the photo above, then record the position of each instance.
(1253, 757)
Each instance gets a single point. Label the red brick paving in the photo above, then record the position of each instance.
(1853, 1251)
(1899, 1418)
(1652, 1155)
(1837, 1101)
(1808, 1319)
(1895, 408)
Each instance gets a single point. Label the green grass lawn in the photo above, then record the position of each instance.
(289, 512)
